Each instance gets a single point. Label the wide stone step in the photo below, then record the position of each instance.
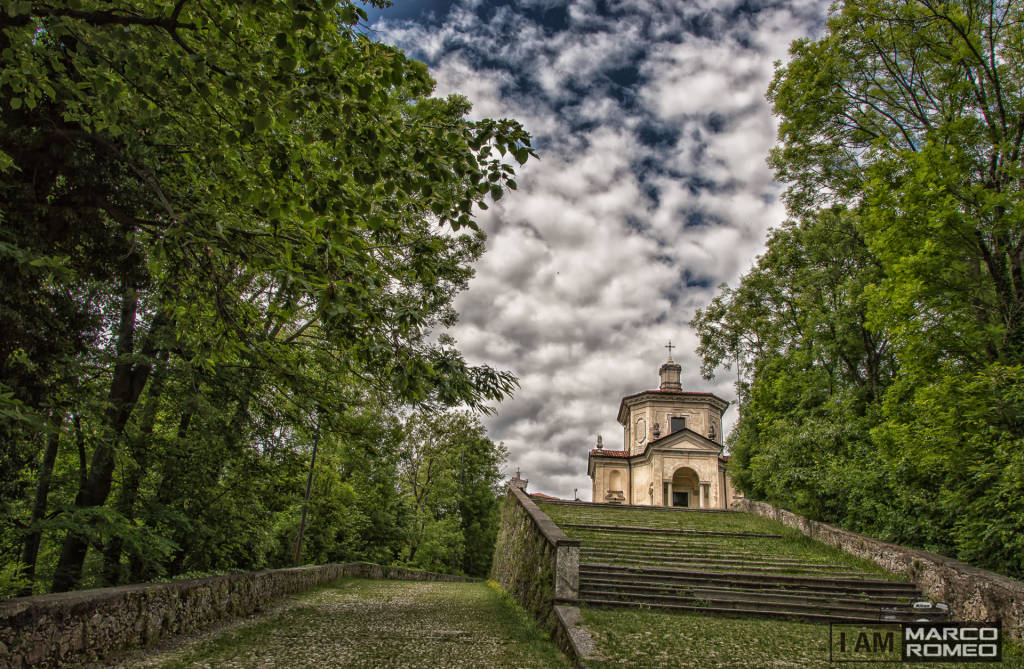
(751, 607)
(643, 556)
(797, 590)
(629, 573)
(755, 601)
(710, 565)
(743, 558)
(727, 611)
(772, 595)
(632, 529)
(603, 508)
(682, 545)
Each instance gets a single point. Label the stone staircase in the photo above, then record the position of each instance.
(673, 563)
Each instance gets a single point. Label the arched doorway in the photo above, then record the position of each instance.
(685, 488)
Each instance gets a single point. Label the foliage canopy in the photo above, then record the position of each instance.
(219, 220)
(880, 337)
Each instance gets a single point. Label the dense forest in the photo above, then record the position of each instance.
(229, 235)
(879, 340)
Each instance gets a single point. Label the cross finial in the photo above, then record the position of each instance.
(670, 347)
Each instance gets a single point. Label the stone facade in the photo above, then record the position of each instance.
(671, 453)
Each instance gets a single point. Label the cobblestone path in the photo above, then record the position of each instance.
(373, 624)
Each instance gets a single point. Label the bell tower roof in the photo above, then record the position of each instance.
(671, 391)
(670, 372)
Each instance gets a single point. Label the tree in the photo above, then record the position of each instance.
(811, 366)
(230, 187)
(891, 405)
(449, 473)
(912, 110)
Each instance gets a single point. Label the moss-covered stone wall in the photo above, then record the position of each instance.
(971, 593)
(534, 560)
(75, 628)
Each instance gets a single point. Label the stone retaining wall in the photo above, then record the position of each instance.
(972, 594)
(82, 626)
(536, 562)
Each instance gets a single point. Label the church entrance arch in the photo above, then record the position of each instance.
(685, 488)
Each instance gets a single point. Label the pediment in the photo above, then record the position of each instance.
(686, 440)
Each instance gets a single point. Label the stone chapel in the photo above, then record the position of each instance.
(672, 449)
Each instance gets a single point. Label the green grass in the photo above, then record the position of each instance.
(729, 521)
(792, 545)
(792, 548)
(635, 638)
(369, 623)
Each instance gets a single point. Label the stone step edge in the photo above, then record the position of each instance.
(853, 582)
(712, 549)
(717, 557)
(730, 569)
(767, 599)
(683, 546)
(710, 560)
(632, 529)
(744, 604)
(835, 595)
(602, 506)
(741, 613)
(663, 535)
(800, 588)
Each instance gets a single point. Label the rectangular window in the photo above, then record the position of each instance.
(678, 423)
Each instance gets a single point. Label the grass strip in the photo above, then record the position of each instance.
(645, 638)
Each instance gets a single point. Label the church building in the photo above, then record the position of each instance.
(672, 449)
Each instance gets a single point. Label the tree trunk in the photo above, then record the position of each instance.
(126, 386)
(128, 493)
(169, 490)
(31, 549)
(305, 500)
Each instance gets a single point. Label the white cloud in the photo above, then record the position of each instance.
(640, 184)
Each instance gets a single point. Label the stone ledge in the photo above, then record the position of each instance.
(554, 535)
(972, 593)
(576, 638)
(74, 628)
(643, 507)
(536, 563)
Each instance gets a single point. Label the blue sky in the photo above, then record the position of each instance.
(651, 190)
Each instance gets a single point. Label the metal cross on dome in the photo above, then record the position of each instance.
(670, 347)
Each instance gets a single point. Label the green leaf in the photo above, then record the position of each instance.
(262, 121)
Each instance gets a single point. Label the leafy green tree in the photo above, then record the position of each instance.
(233, 190)
(913, 110)
(881, 336)
(449, 473)
(797, 325)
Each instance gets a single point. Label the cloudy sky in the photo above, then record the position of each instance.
(651, 190)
